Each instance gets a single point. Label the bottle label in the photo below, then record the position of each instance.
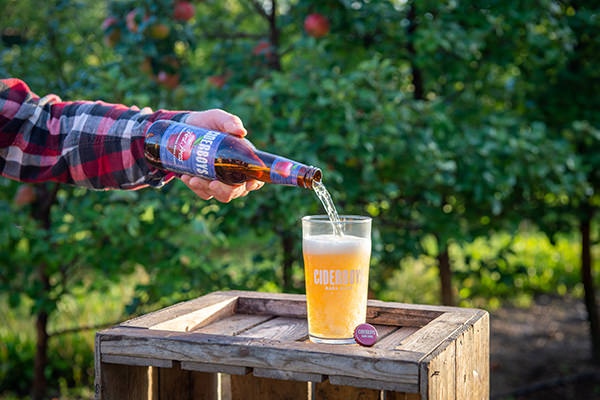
(190, 150)
(285, 171)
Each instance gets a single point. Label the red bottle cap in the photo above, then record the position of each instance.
(365, 335)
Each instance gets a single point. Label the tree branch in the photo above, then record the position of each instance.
(234, 35)
(260, 9)
(83, 328)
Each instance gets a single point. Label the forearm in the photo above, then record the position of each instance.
(91, 144)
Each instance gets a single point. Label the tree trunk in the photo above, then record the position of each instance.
(287, 242)
(275, 58)
(41, 357)
(443, 259)
(588, 285)
(41, 348)
(40, 211)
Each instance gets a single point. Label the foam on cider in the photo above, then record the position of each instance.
(333, 244)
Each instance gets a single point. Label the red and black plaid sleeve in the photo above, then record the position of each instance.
(92, 144)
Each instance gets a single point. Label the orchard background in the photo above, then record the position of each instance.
(469, 131)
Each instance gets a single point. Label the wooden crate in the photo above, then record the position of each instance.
(248, 345)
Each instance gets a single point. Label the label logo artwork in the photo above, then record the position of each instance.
(283, 168)
(180, 144)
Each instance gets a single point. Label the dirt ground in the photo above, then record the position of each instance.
(543, 352)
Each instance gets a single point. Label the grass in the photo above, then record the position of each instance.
(70, 370)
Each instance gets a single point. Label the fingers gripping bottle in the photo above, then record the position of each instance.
(186, 149)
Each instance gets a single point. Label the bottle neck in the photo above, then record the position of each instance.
(311, 175)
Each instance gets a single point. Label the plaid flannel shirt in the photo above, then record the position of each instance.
(91, 144)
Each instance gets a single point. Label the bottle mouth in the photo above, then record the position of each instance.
(313, 174)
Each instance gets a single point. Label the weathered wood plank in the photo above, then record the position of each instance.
(199, 318)
(401, 396)
(396, 338)
(472, 361)
(126, 382)
(329, 391)
(428, 338)
(372, 384)
(177, 384)
(286, 305)
(397, 366)
(204, 386)
(97, 368)
(176, 310)
(287, 375)
(225, 386)
(233, 325)
(205, 367)
(378, 313)
(376, 303)
(440, 376)
(451, 340)
(140, 361)
(482, 335)
(384, 330)
(291, 306)
(249, 387)
(287, 329)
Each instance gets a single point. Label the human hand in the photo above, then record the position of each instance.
(222, 121)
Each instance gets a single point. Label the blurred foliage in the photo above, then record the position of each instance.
(444, 120)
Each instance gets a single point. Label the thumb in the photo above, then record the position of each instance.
(218, 120)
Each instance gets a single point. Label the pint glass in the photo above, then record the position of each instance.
(336, 269)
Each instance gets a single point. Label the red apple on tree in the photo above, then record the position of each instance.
(112, 33)
(316, 25)
(217, 81)
(168, 80)
(25, 195)
(263, 47)
(131, 21)
(184, 11)
(146, 66)
(159, 31)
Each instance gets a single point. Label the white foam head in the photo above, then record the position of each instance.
(328, 244)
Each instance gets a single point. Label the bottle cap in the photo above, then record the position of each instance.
(365, 335)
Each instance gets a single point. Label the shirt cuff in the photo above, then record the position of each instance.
(156, 177)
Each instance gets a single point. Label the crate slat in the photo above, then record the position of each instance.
(434, 333)
(441, 375)
(378, 312)
(395, 339)
(329, 391)
(139, 361)
(177, 310)
(177, 384)
(199, 318)
(249, 387)
(373, 384)
(205, 367)
(279, 328)
(384, 330)
(234, 324)
(287, 375)
(127, 382)
(289, 305)
(401, 396)
(472, 370)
